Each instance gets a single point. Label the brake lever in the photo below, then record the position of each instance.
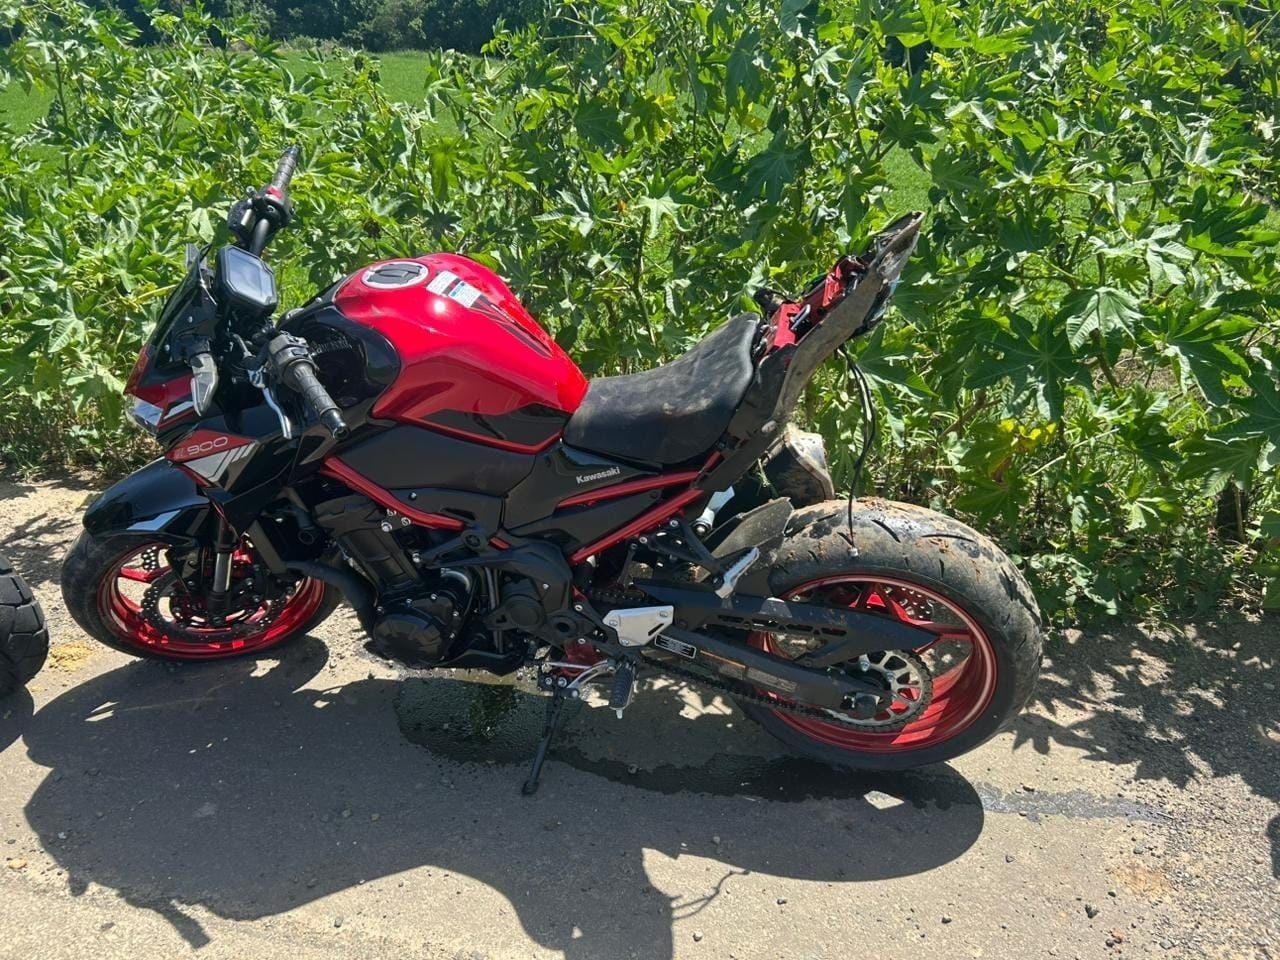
(258, 377)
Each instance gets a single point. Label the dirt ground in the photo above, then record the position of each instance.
(321, 805)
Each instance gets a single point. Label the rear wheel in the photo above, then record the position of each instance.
(24, 638)
(915, 566)
(125, 592)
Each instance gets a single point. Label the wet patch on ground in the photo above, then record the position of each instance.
(476, 722)
(487, 723)
(470, 721)
(1075, 804)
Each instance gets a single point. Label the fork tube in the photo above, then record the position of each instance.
(221, 572)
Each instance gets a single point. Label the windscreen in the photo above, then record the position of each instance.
(185, 296)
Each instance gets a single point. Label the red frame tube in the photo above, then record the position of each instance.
(489, 441)
(650, 518)
(337, 470)
(629, 487)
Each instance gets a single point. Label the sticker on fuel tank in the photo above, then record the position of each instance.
(454, 287)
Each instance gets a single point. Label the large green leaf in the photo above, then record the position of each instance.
(1036, 360)
(1260, 411)
(598, 124)
(1202, 345)
(1101, 310)
(660, 208)
(1213, 462)
(771, 170)
(887, 362)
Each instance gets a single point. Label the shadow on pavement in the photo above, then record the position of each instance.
(28, 548)
(1173, 702)
(232, 787)
(15, 716)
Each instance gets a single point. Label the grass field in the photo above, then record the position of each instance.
(20, 109)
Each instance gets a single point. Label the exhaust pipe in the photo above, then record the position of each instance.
(357, 593)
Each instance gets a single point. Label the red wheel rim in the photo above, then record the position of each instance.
(118, 602)
(961, 691)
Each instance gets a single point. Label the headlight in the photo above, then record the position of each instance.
(145, 415)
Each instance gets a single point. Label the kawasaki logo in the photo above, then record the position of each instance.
(588, 477)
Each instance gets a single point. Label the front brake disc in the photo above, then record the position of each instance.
(185, 621)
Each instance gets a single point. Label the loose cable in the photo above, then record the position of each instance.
(869, 429)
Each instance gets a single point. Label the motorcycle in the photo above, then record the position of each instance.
(412, 441)
(24, 636)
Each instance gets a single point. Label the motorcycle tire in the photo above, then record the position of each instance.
(921, 567)
(24, 635)
(90, 588)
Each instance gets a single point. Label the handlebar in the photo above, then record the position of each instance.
(256, 218)
(295, 367)
(285, 169)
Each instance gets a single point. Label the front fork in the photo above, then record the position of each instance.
(220, 586)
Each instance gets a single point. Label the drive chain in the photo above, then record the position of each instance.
(750, 694)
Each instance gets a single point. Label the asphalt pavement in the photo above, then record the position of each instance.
(321, 804)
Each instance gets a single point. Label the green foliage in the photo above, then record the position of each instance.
(1083, 356)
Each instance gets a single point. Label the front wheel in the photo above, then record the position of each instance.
(124, 591)
(908, 564)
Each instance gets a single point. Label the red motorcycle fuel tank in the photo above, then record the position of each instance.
(473, 362)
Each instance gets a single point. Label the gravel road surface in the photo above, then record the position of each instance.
(322, 805)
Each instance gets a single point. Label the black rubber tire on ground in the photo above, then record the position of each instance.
(91, 558)
(24, 636)
(939, 553)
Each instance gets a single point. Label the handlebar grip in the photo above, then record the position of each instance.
(285, 170)
(332, 421)
(317, 399)
(303, 380)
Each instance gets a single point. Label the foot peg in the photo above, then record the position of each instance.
(624, 687)
(624, 684)
(729, 579)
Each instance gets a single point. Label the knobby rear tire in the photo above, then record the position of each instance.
(940, 554)
(24, 636)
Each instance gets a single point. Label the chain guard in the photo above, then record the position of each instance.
(753, 695)
(745, 692)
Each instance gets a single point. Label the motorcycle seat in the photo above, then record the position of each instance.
(674, 412)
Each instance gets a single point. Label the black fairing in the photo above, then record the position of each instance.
(471, 508)
(355, 364)
(157, 499)
(494, 488)
(529, 426)
(405, 456)
(574, 526)
(560, 473)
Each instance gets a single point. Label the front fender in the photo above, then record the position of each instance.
(158, 499)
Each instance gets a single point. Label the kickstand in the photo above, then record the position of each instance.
(554, 709)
